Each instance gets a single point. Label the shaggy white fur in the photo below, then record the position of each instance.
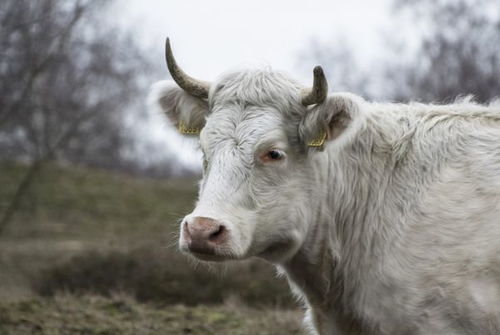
(393, 227)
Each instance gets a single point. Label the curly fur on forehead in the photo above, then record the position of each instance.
(273, 91)
(258, 87)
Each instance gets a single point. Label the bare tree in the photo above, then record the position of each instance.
(459, 53)
(66, 82)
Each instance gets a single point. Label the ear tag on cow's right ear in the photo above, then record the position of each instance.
(183, 129)
(318, 141)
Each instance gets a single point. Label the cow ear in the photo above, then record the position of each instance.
(337, 119)
(186, 112)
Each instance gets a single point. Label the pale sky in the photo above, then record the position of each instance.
(211, 37)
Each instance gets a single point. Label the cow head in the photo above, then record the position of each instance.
(260, 133)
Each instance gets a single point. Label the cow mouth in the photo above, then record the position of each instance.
(211, 257)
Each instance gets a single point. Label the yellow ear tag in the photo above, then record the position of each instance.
(183, 129)
(319, 141)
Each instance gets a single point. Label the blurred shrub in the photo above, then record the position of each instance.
(150, 275)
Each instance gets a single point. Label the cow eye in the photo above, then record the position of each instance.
(273, 155)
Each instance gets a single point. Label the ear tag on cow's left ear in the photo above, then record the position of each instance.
(183, 129)
(318, 141)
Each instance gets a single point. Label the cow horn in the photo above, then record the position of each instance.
(197, 88)
(317, 94)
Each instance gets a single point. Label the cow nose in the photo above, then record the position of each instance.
(203, 235)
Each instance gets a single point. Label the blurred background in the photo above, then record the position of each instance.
(93, 183)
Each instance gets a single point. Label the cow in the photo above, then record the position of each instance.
(384, 217)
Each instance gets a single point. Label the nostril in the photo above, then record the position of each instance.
(217, 233)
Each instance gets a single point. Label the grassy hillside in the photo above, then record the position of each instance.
(72, 202)
(91, 235)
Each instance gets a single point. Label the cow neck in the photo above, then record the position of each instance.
(324, 263)
(313, 267)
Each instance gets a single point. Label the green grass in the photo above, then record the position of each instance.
(91, 235)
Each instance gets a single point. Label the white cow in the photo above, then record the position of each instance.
(385, 218)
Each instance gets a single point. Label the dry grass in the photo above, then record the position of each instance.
(66, 314)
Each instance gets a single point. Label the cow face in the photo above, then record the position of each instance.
(251, 198)
(257, 196)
